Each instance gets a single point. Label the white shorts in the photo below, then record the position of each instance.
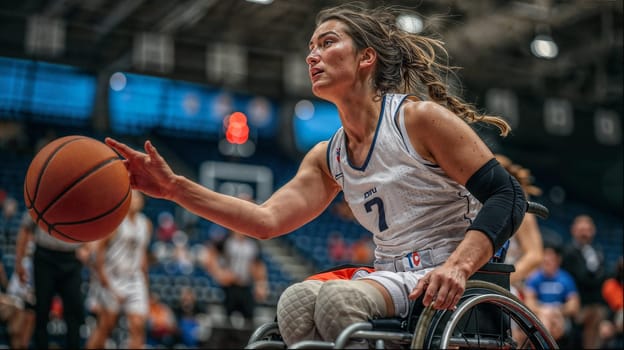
(399, 285)
(129, 296)
(91, 299)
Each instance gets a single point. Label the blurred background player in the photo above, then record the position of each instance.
(21, 288)
(56, 270)
(236, 264)
(121, 267)
(526, 249)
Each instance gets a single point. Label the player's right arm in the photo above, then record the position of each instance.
(299, 201)
(530, 240)
(100, 249)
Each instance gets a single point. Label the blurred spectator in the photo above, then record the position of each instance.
(23, 319)
(189, 221)
(4, 280)
(161, 323)
(49, 136)
(9, 211)
(121, 268)
(182, 257)
(363, 251)
(612, 328)
(166, 227)
(337, 248)
(13, 138)
(341, 209)
(186, 311)
(236, 264)
(551, 293)
(585, 261)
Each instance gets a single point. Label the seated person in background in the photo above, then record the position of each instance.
(186, 311)
(584, 259)
(161, 322)
(363, 250)
(551, 293)
(338, 250)
(612, 328)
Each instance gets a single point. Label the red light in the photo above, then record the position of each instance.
(237, 130)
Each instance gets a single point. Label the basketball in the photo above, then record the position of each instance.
(77, 189)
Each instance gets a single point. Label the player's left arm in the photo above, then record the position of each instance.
(441, 137)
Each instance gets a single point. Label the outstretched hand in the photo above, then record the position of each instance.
(442, 288)
(149, 172)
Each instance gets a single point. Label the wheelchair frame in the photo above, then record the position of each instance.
(486, 297)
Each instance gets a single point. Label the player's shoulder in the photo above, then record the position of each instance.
(419, 109)
(318, 151)
(428, 118)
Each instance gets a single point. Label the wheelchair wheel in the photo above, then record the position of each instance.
(483, 319)
(266, 336)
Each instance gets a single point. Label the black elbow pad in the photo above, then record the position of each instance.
(504, 203)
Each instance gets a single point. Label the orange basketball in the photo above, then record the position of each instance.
(77, 189)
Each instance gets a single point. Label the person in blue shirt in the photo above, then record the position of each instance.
(552, 294)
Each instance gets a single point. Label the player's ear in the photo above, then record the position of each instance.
(368, 57)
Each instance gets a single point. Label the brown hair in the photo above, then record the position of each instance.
(407, 62)
(522, 174)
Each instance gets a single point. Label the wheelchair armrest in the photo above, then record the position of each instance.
(497, 273)
(491, 267)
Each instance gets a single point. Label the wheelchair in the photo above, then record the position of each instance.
(484, 318)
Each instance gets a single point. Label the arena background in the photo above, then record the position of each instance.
(171, 71)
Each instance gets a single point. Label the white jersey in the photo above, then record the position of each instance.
(127, 249)
(407, 202)
(239, 254)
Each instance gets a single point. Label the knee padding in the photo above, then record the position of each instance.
(341, 303)
(295, 311)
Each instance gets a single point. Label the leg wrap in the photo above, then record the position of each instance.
(295, 312)
(344, 302)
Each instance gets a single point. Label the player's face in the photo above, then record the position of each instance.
(332, 59)
(583, 231)
(551, 261)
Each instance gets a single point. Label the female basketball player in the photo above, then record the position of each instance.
(413, 171)
(121, 269)
(526, 249)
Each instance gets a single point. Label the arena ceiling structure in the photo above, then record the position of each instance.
(259, 47)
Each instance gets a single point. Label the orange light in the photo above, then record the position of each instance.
(237, 130)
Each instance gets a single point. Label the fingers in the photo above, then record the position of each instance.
(151, 150)
(121, 148)
(441, 298)
(437, 293)
(431, 293)
(420, 288)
